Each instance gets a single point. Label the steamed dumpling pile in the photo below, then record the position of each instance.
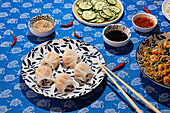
(44, 75)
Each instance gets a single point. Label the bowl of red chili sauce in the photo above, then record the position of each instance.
(144, 22)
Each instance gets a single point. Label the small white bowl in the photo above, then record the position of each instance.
(42, 33)
(144, 30)
(113, 27)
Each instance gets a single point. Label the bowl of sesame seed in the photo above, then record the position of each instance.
(42, 25)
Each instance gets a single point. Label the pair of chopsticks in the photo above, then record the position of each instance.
(132, 90)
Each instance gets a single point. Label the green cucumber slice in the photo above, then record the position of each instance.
(93, 1)
(103, 15)
(85, 5)
(79, 1)
(79, 11)
(107, 11)
(88, 15)
(112, 2)
(113, 17)
(93, 21)
(115, 9)
(99, 5)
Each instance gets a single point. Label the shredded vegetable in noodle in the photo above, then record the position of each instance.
(157, 62)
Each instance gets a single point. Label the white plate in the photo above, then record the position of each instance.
(88, 54)
(74, 7)
(166, 5)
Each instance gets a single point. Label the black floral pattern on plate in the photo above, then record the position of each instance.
(88, 54)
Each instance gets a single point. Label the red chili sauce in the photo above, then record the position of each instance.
(144, 22)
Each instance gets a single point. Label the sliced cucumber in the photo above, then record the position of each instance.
(99, 5)
(88, 15)
(93, 21)
(100, 19)
(115, 9)
(113, 17)
(93, 1)
(97, 11)
(107, 11)
(112, 2)
(85, 5)
(79, 11)
(116, 15)
(79, 1)
(103, 15)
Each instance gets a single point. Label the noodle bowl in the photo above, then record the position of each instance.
(157, 62)
(153, 58)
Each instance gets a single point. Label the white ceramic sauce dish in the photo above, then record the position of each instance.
(144, 30)
(116, 27)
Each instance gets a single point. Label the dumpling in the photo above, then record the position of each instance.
(51, 60)
(70, 59)
(62, 82)
(43, 76)
(83, 73)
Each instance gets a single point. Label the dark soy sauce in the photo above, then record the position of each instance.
(116, 35)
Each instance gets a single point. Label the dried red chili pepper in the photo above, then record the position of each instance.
(120, 66)
(15, 40)
(145, 9)
(68, 25)
(77, 36)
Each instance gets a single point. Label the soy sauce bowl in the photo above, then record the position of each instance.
(116, 35)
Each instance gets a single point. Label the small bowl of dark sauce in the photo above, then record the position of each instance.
(116, 35)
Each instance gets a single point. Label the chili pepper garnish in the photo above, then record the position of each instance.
(77, 36)
(68, 25)
(15, 40)
(145, 9)
(120, 66)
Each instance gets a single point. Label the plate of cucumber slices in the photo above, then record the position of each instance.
(97, 13)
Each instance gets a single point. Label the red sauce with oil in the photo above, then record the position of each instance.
(144, 22)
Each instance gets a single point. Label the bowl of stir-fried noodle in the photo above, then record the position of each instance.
(153, 58)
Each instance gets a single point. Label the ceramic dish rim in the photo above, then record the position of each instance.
(163, 10)
(165, 86)
(42, 31)
(98, 24)
(67, 97)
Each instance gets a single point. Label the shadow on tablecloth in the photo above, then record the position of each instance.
(62, 105)
(135, 99)
(37, 40)
(119, 50)
(156, 92)
(155, 31)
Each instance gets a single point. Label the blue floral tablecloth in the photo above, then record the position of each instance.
(16, 97)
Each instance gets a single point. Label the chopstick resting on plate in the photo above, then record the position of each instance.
(132, 90)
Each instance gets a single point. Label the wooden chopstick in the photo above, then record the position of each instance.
(132, 90)
(121, 90)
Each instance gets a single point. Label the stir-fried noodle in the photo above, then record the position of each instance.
(157, 62)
